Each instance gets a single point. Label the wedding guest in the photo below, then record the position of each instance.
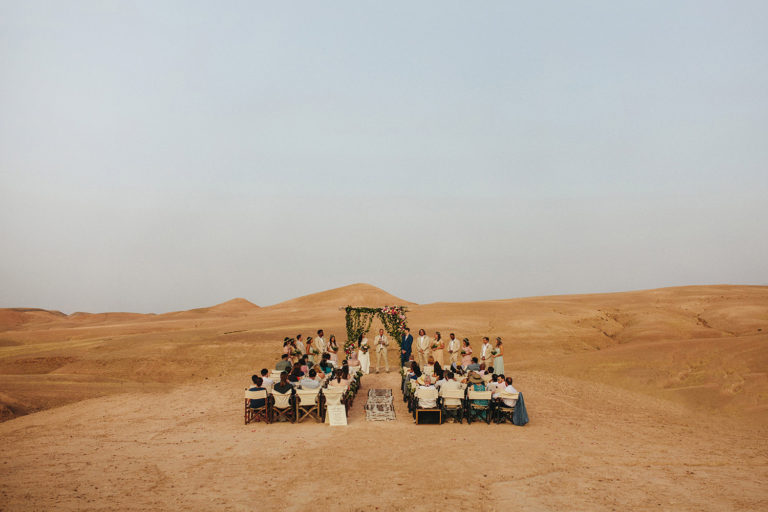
(451, 384)
(296, 373)
(342, 378)
(426, 402)
(423, 344)
(453, 349)
(510, 389)
(381, 342)
(474, 367)
(310, 382)
(283, 364)
(476, 383)
(440, 378)
(498, 358)
(486, 357)
(415, 371)
(312, 350)
(283, 386)
(406, 343)
(257, 386)
(333, 349)
(305, 366)
(363, 355)
(320, 341)
(466, 353)
(438, 348)
(325, 364)
(300, 344)
(267, 382)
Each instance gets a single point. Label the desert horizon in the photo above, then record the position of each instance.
(668, 388)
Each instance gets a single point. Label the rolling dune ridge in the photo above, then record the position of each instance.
(653, 399)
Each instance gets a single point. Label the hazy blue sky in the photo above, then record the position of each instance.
(157, 156)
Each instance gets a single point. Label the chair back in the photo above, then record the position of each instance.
(479, 395)
(333, 395)
(275, 375)
(428, 369)
(508, 396)
(307, 396)
(452, 393)
(427, 393)
(256, 395)
(282, 400)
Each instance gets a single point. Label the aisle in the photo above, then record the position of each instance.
(389, 380)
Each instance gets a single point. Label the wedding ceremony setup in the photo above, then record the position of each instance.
(311, 382)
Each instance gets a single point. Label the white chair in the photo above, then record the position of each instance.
(474, 408)
(452, 403)
(308, 404)
(256, 413)
(282, 406)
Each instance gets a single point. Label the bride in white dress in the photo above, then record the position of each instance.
(363, 355)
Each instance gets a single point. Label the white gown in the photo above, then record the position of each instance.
(364, 358)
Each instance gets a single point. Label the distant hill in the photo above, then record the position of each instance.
(359, 294)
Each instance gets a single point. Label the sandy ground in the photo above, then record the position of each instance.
(645, 401)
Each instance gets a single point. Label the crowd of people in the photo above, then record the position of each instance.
(451, 352)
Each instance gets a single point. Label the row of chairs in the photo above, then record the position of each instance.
(299, 405)
(461, 403)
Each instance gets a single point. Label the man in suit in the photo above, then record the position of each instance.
(405, 347)
(486, 354)
(454, 349)
(423, 347)
(381, 343)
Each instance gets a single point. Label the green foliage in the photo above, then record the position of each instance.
(359, 322)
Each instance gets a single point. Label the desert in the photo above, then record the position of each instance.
(643, 400)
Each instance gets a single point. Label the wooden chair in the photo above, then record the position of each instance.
(474, 409)
(504, 412)
(281, 406)
(452, 403)
(256, 413)
(424, 394)
(332, 396)
(308, 404)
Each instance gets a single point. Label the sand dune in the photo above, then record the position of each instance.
(654, 399)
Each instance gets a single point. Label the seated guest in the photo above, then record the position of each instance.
(476, 383)
(305, 366)
(283, 386)
(325, 364)
(267, 382)
(283, 364)
(415, 371)
(510, 389)
(491, 385)
(310, 382)
(341, 380)
(499, 385)
(474, 367)
(440, 376)
(451, 384)
(257, 386)
(296, 373)
(424, 401)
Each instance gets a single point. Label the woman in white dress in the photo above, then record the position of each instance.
(363, 356)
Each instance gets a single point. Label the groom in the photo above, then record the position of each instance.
(405, 346)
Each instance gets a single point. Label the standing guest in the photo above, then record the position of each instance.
(257, 386)
(498, 358)
(486, 357)
(405, 346)
(423, 344)
(453, 350)
(310, 349)
(266, 381)
(363, 355)
(320, 341)
(333, 348)
(381, 342)
(283, 364)
(283, 386)
(438, 346)
(466, 353)
(300, 344)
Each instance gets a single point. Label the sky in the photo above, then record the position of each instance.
(160, 156)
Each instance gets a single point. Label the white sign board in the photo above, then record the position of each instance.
(336, 415)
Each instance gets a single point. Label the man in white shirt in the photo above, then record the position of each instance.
(300, 344)
(454, 349)
(486, 355)
(423, 344)
(266, 381)
(451, 384)
(381, 342)
(320, 342)
(430, 402)
(510, 389)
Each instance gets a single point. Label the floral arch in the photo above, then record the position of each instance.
(359, 320)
